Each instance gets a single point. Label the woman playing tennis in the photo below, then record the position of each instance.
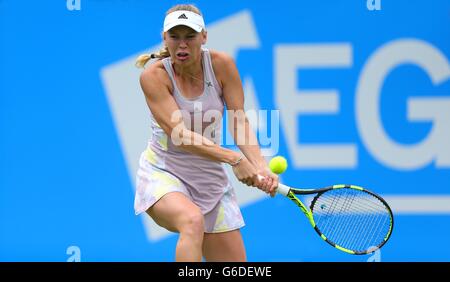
(181, 182)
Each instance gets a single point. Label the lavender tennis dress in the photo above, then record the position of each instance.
(165, 168)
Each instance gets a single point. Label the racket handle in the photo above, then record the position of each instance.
(281, 189)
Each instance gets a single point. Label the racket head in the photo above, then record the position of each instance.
(352, 219)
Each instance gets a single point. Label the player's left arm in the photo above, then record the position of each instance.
(228, 77)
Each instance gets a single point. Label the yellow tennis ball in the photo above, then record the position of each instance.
(278, 164)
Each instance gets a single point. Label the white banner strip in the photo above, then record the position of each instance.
(419, 204)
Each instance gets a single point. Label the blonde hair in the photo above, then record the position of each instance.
(164, 51)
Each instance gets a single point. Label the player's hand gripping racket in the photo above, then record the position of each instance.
(348, 217)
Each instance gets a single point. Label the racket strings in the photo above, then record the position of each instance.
(347, 228)
(334, 204)
(351, 218)
(380, 222)
(357, 240)
(353, 227)
(344, 229)
(375, 221)
(356, 233)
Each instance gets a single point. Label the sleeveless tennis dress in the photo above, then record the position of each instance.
(165, 168)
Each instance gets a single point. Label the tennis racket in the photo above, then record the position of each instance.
(348, 217)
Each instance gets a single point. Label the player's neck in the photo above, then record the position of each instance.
(192, 72)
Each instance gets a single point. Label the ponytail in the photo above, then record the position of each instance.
(144, 58)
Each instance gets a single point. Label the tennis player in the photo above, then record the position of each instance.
(181, 181)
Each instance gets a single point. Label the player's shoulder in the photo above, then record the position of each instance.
(155, 75)
(220, 58)
(223, 65)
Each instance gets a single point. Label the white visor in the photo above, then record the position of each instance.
(187, 18)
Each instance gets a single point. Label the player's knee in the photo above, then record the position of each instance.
(193, 223)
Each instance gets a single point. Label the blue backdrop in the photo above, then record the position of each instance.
(363, 91)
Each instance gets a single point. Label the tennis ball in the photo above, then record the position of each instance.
(278, 164)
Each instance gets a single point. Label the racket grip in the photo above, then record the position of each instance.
(281, 189)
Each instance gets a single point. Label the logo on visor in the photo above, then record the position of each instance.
(183, 16)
